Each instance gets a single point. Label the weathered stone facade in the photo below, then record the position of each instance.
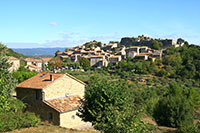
(70, 119)
(15, 64)
(64, 86)
(36, 99)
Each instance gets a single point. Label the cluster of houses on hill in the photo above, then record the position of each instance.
(101, 55)
(32, 64)
(110, 53)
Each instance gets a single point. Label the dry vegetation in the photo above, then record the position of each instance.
(52, 129)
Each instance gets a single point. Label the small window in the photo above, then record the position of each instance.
(37, 93)
(50, 116)
(73, 117)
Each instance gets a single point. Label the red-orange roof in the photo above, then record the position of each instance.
(33, 66)
(13, 58)
(33, 60)
(29, 59)
(64, 104)
(133, 51)
(39, 81)
(96, 56)
(46, 59)
(42, 80)
(141, 55)
(115, 56)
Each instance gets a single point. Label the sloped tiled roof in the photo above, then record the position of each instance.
(33, 60)
(13, 58)
(64, 104)
(33, 66)
(42, 80)
(141, 55)
(46, 59)
(39, 81)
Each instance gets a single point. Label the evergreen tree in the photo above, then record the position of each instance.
(7, 82)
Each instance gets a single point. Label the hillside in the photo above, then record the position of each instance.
(15, 54)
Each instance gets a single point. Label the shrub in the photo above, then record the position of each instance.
(174, 111)
(16, 105)
(10, 121)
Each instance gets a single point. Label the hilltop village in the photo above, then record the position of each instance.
(100, 55)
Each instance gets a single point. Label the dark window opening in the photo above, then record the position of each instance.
(37, 94)
(50, 116)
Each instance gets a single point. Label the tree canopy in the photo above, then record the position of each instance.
(7, 82)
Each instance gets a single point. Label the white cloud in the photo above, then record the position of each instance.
(53, 24)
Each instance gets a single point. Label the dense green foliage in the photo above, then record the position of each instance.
(15, 54)
(12, 115)
(109, 105)
(22, 76)
(7, 82)
(11, 120)
(182, 62)
(55, 62)
(156, 45)
(93, 43)
(174, 109)
(85, 63)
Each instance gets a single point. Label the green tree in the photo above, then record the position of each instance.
(56, 62)
(174, 109)
(109, 106)
(180, 41)
(156, 45)
(85, 63)
(7, 82)
(57, 52)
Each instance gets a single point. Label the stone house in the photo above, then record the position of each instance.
(54, 97)
(98, 61)
(142, 56)
(15, 63)
(111, 46)
(115, 59)
(34, 68)
(133, 48)
(132, 54)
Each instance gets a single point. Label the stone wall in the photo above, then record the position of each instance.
(70, 119)
(64, 86)
(27, 95)
(15, 65)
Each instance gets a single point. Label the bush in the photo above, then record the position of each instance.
(10, 121)
(174, 111)
(16, 105)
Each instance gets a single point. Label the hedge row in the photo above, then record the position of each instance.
(11, 120)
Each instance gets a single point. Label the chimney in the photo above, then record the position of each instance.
(51, 77)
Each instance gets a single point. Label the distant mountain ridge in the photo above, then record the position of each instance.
(38, 51)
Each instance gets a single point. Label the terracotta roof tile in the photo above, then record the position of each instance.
(141, 55)
(13, 58)
(39, 81)
(33, 60)
(33, 66)
(64, 104)
(42, 80)
(46, 59)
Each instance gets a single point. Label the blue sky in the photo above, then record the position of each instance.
(67, 23)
